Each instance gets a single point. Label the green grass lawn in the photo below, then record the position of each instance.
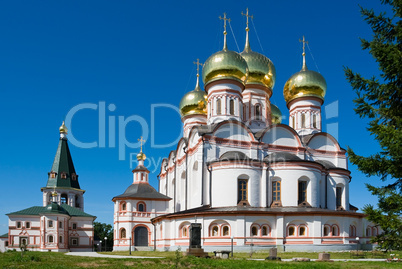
(171, 260)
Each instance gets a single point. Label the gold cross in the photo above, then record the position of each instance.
(224, 20)
(142, 141)
(304, 45)
(247, 16)
(198, 66)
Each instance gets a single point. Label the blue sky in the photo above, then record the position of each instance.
(136, 58)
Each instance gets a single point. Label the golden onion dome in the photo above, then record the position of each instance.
(261, 70)
(305, 83)
(225, 64)
(193, 103)
(276, 114)
(63, 128)
(141, 156)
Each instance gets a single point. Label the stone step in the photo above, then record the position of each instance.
(143, 248)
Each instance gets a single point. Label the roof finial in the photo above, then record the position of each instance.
(304, 53)
(142, 141)
(63, 130)
(197, 86)
(225, 47)
(247, 46)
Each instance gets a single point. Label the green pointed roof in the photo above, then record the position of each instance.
(52, 208)
(64, 168)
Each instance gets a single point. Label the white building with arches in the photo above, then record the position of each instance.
(243, 174)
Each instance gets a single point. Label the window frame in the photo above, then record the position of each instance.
(218, 106)
(242, 190)
(231, 107)
(50, 223)
(275, 191)
(302, 192)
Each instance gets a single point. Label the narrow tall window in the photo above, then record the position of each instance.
(218, 107)
(50, 238)
(291, 231)
(63, 198)
(315, 121)
(50, 223)
(123, 207)
(302, 192)
(303, 120)
(225, 231)
(244, 112)
(264, 231)
(302, 231)
(242, 187)
(293, 122)
(27, 225)
(123, 233)
(60, 225)
(18, 224)
(231, 107)
(141, 207)
(338, 196)
(61, 239)
(276, 191)
(254, 231)
(257, 112)
(74, 226)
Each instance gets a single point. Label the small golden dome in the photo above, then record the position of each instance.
(261, 69)
(63, 128)
(194, 103)
(141, 156)
(225, 64)
(276, 114)
(305, 83)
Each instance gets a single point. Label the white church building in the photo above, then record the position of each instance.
(60, 224)
(241, 173)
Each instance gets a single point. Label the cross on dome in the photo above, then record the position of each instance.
(304, 41)
(247, 16)
(142, 141)
(247, 46)
(224, 32)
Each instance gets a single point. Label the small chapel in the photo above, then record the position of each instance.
(60, 224)
(247, 178)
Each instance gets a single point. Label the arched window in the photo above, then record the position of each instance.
(315, 121)
(334, 230)
(141, 207)
(352, 230)
(302, 231)
(254, 231)
(326, 230)
(291, 231)
(218, 107)
(374, 233)
(225, 231)
(303, 120)
(50, 238)
(123, 233)
(302, 192)
(338, 197)
(123, 206)
(242, 191)
(215, 230)
(265, 230)
(258, 112)
(60, 239)
(63, 198)
(231, 107)
(184, 231)
(368, 231)
(276, 191)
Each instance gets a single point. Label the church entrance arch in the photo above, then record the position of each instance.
(141, 236)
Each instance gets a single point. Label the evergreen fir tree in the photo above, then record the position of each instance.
(379, 99)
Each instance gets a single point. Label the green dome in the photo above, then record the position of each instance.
(276, 114)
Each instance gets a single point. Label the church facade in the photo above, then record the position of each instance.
(60, 224)
(241, 173)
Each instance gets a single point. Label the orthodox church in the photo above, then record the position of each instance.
(243, 175)
(60, 224)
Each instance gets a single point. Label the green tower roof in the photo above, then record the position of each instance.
(63, 173)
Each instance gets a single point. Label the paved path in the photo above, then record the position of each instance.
(97, 255)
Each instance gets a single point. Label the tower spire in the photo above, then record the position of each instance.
(225, 47)
(247, 46)
(304, 53)
(197, 86)
(63, 130)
